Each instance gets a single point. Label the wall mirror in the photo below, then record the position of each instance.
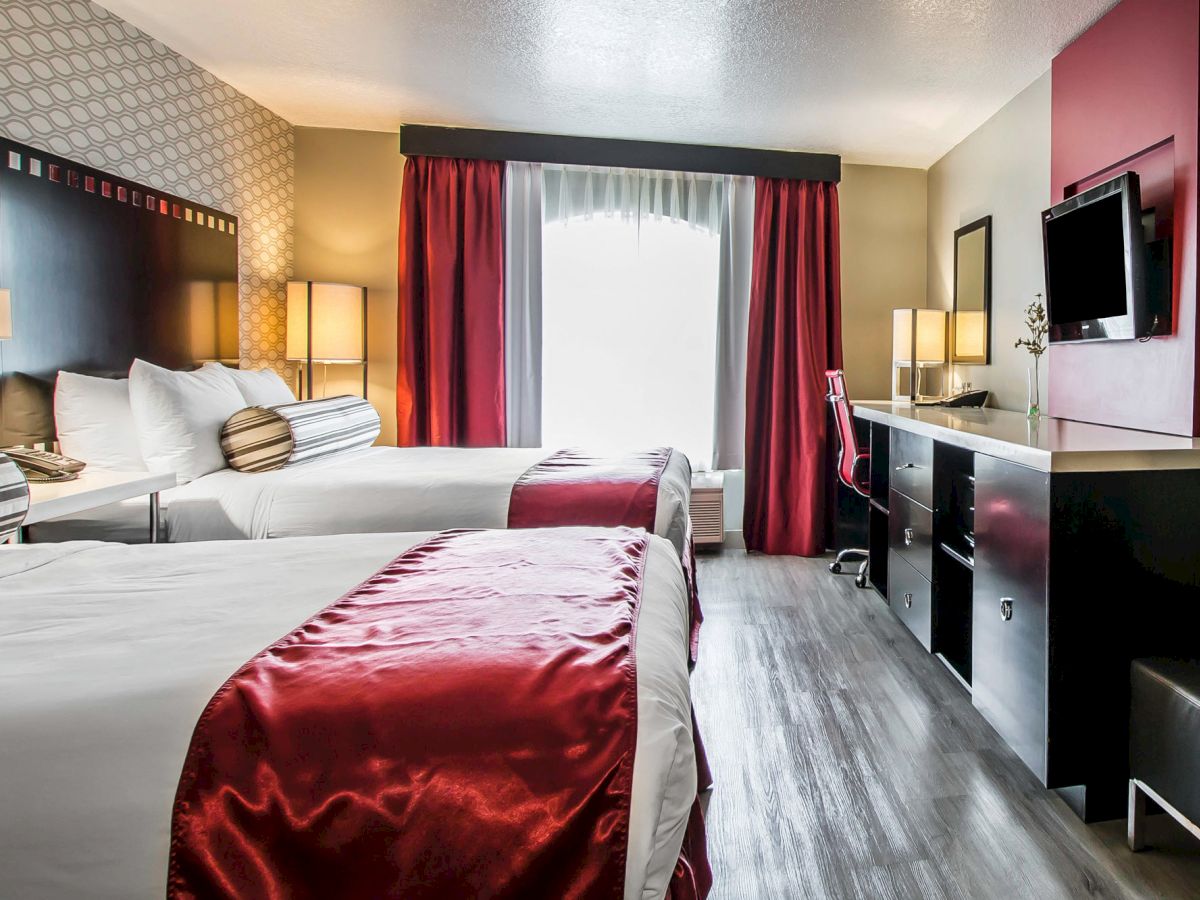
(971, 341)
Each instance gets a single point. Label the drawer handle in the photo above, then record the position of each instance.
(906, 466)
(1005, 608)
(908, 537)
(907, 600)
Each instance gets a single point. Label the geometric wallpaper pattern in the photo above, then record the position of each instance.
(77, 81)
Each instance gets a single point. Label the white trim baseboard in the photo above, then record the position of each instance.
(734, 539)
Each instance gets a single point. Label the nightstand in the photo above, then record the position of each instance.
(92, 489)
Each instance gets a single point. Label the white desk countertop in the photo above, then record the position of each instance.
(93, 488)
(1048, 444)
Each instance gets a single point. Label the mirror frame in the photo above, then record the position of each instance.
(986, 224)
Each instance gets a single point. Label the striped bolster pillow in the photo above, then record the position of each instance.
(259, 439)
(14, 497)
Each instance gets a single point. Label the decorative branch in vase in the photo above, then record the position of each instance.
(1035, 344)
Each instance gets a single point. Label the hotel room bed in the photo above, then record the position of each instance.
(381, 489)
(109, 653)
(253, 463)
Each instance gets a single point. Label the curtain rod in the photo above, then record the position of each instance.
(474, 143)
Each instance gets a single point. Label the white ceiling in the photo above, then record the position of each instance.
(896, 82)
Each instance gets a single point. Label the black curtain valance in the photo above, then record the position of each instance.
(473, 143)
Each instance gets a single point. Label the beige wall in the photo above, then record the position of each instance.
(1003, 170)
(347, 215)
(883, 239)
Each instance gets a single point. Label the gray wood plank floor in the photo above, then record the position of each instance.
(849, 763)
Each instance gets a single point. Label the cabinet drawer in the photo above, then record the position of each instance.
(910, 533)
(909, 594)
(1009, 626)
(911, 459)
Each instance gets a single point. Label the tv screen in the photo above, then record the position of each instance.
(1086, 252)
(1094, 263)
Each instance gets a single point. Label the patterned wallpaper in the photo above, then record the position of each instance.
(77, 81)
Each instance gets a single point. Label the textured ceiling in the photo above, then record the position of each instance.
(895, 82)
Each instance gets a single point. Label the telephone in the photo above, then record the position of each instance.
(965, 398)
(43, 466)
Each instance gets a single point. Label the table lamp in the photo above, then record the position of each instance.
(918, 345)
(327, 323)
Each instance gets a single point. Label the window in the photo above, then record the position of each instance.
(629, 320)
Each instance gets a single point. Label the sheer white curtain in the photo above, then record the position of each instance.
(630, 268)
(523, 303)
(733, 316)
(583, 192)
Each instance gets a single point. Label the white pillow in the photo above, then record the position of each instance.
(95, 423)
(179, 417)
(259, 388)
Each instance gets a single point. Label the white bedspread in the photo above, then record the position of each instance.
(381, 489)
(109, 653)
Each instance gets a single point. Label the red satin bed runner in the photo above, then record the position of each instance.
(462, 724)
(571, 487)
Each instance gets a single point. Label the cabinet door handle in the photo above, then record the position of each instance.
(906, 466)
(908, 537)
(907, 600)
(1005, 608)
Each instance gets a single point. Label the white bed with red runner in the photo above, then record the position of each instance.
(383, 489)
(109, 654)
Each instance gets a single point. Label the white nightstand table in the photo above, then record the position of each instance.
(94, 488)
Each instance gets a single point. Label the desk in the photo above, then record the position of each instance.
(95, 488)
(1036, 560)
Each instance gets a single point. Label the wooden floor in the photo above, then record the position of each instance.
(849, 763)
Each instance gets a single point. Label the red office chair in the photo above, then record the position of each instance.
(854, 470)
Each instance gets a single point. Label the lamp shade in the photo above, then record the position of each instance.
(970, 333)
(930, 328)
(337, 322)
(6, 328)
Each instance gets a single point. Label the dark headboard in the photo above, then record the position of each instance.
(102, 270)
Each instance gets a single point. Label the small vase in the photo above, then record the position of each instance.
(1035, 403)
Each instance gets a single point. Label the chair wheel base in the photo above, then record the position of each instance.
(835, 568)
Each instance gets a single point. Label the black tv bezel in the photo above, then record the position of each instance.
(1134, 322)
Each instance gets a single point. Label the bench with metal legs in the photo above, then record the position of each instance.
(1164, 749)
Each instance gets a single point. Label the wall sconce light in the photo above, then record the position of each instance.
(327, 323)
(212, 321)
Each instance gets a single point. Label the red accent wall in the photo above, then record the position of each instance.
(1128, 84)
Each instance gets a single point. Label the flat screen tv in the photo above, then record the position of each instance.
(1095, 257)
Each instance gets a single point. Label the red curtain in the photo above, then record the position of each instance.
(450, 371)
(794, 336)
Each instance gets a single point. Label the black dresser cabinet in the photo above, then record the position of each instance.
(910, 533)
(1009, 621)
(1037, 589)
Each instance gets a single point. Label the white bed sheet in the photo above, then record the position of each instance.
(381, 489)
(109, 653)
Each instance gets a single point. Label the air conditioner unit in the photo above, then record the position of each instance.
(708, 508)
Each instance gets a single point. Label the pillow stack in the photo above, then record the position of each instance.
(194, 423)
(260, 439)
(157, 420)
